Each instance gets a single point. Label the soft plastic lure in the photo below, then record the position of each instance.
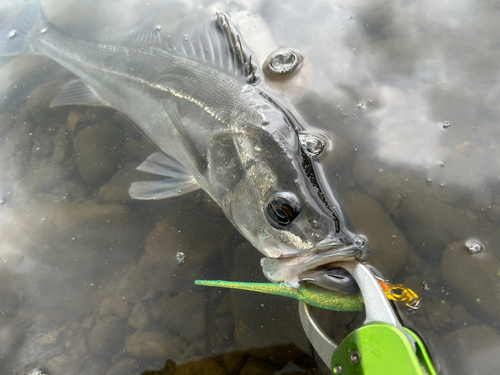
(310, 294)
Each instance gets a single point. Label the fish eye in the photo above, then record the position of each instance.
(281, 209)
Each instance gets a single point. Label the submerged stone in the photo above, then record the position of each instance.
(472, 277)
(389, 246)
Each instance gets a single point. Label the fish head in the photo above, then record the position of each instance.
(279, 197)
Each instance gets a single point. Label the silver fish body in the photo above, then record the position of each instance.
(239, 142)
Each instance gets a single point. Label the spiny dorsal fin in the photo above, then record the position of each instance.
(148, 32)
(221, 45)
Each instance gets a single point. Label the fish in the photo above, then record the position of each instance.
(217, 127)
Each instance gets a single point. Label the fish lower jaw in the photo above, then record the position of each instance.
(288, 270)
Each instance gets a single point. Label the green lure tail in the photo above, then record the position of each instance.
(310, 294)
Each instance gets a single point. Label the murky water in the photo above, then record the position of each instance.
(95, 283)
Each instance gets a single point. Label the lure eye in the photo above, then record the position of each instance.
(281, 209)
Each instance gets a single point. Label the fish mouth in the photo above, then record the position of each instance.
(293, 270)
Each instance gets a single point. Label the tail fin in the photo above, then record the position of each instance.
(20, 37)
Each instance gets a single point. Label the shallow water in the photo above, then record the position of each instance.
(90, 280)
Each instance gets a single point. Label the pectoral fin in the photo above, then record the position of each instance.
(199, 162)
(178, 180)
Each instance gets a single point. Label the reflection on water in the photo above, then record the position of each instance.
(93, 283)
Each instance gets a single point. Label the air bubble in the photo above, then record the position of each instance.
(312, 145)
(361, 105)
(180, 257)
(283, 61)
(474, 247)
(12, 34)
(44, 30)
(445, 124)
(158, 27)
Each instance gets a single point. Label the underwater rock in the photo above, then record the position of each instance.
(74, 248)
(406, 184)
(258, 318)
(41, 180)
(493, 212)
(438, 314)
(471, 351)
(460, 318)
(160, 266)
(10, 332)
(255, 366)
(116, 190)
(185, 314)
(156, 344)
(62, 364)
(126, 366)
(340, 154)
(388, 244)
(204, 366)
(432, 224)
(6, 122)
(107, 336)
(139, 317)
(220, 330)
(362, 170)
(51, 338)
(132, 286)
(96, 149)
(10, 297)
(55, 233)
(473, 277)
(115, 306)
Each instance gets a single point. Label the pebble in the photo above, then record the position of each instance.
(116, 190)
(473, 278)
(340, 153)
(88, 322)
(185, 314)
(159, 264)
(126, 366)
(154, 344)
(139, 317)
(115, 306)
(132, 286)
(460, 318)
(438, 314)
(362, 170)
(107, 336)
(405, 184)
(388, 244)
(51, 338)
(432, 224)
(10, 332)
(204, 366)
(471, 351)
(96, 149)
(6, 122)
(258, 318)
(63, 364)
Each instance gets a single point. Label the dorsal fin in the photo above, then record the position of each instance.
(148, 32)
(219, 44)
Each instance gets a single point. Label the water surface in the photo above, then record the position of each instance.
(91, 281)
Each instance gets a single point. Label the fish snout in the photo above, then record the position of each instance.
(352, 246)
